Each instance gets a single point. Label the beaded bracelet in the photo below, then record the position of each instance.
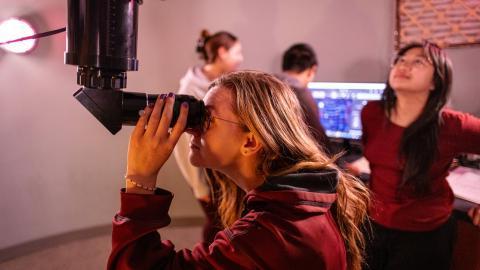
(140, 185)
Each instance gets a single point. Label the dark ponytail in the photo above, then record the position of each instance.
(204, 36)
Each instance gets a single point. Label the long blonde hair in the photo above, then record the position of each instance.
(270, 109)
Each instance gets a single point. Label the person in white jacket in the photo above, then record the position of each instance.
(222, 53)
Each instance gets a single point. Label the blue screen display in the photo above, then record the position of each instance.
(340, 105)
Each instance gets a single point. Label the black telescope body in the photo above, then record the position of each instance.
(102, 43)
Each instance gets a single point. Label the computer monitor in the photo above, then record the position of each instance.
(340, 105)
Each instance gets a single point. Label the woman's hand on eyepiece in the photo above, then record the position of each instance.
(152, 142)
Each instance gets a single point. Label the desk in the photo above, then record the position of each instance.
(467, 247)
(466, 253)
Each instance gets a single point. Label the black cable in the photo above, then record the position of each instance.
(36, 36)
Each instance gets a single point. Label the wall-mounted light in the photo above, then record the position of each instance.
(14, 28)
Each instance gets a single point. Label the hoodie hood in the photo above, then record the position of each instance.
(307, 192)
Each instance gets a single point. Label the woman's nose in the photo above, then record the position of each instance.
(403, 67)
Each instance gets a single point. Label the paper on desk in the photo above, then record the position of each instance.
(465, 183)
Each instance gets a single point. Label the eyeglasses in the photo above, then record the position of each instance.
(417, 62)
(209, 118)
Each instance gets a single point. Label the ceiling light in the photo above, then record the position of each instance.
(13, 29)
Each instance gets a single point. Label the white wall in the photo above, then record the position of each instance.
(466, 79)
(61, 170)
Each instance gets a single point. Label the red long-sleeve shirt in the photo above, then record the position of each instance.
(287, 225)
(459, 133)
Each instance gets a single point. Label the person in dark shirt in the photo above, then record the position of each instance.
(282, 200)
(299, 66)
(410, 141)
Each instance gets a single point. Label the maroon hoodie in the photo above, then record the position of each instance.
(287, 224)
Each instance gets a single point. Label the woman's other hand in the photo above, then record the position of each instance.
(474, 214)
(152, 142)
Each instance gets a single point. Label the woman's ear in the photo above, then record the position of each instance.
(222, 52)
(251, 145)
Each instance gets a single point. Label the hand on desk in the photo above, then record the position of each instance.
(474, 214)
(358, 167)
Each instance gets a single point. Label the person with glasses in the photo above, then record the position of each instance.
(410, 140)
(221, 53)
(283, 202)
